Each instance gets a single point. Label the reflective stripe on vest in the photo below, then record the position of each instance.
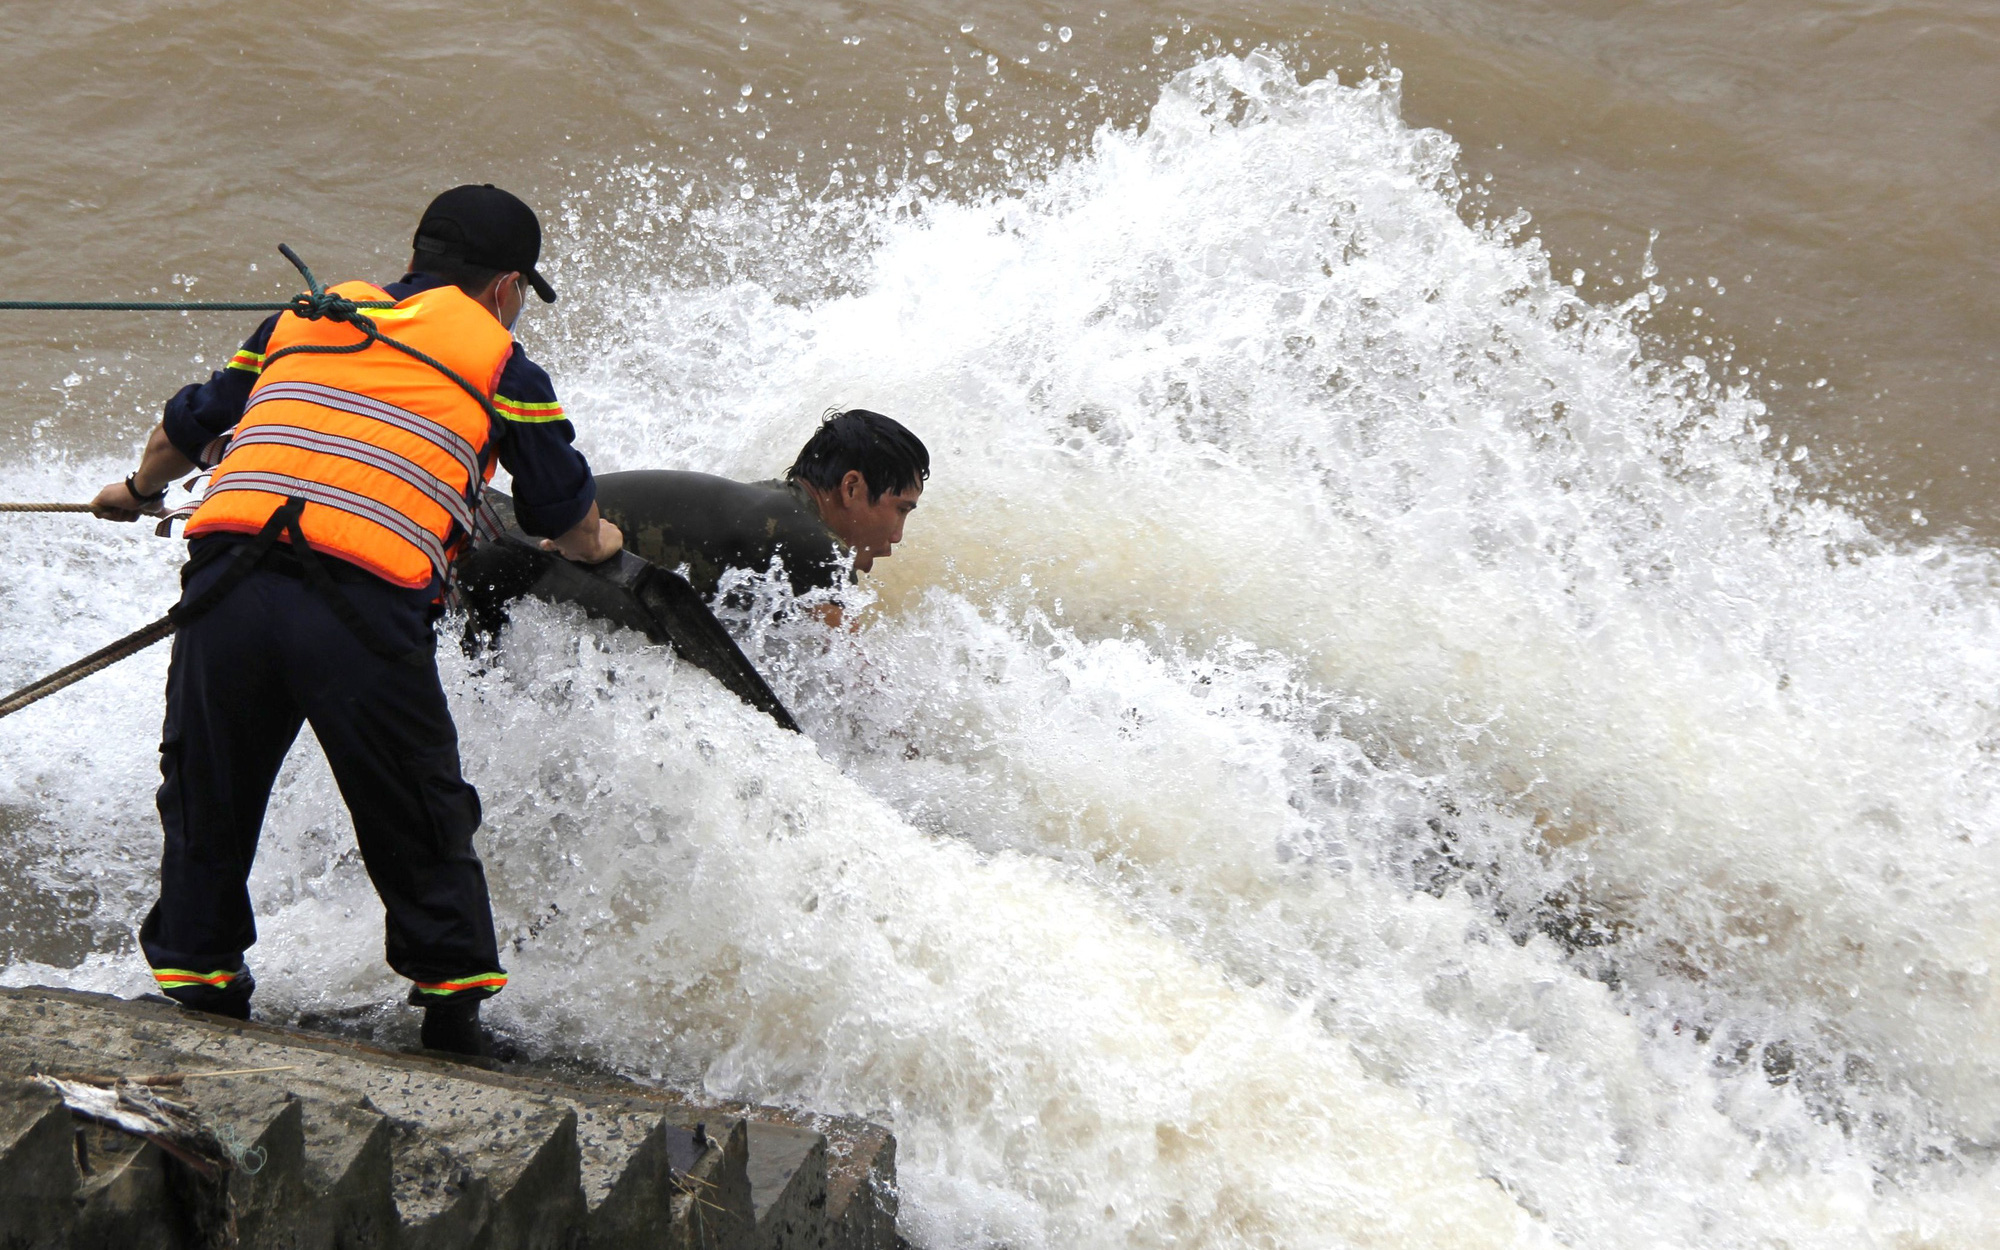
(345, 501)
(368, 454)
(389, 454)
(443, 438)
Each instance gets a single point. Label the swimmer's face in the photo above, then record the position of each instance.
(871, 527)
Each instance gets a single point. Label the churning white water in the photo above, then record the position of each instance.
(1357, 750)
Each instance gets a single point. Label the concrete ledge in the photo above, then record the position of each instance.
(349, 1145)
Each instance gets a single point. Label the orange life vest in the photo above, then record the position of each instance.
(389, 454)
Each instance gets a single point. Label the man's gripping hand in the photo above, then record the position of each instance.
(592, 540)
(159, 465)
(116, 502)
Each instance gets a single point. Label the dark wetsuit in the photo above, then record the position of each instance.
(713, 524)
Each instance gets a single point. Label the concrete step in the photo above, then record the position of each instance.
(349, 1145)
(347, 1174)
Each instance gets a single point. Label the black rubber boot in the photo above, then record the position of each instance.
(453, 1027)
(232, 1001)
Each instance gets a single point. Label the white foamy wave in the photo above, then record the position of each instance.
(1354, 752)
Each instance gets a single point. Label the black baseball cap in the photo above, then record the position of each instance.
(485, 226)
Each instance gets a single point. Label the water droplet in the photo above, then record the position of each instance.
(1159, 44)
(1063, 34)
(965, 28)
(961, 132)
(933, 156)
(72, 379)
(746, 191)
(746, 89)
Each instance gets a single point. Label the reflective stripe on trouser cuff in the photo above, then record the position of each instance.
(495, 981)
(176, 978)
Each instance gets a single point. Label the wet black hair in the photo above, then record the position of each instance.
(463, 274)
(889, 457)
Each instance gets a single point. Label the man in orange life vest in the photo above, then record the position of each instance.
(317, 563)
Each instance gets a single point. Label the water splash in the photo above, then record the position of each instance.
(1358, 750)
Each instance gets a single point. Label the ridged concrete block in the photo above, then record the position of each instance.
(349, 1177)
(38, 1172)
(349, 1147)
(839, 1193)
(788, 1186)
(861, 1187)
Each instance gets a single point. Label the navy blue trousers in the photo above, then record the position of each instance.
(244, 676)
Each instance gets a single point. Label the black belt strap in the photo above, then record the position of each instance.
(248, 555)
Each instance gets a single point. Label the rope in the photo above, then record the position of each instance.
(48, 305)
(339, 308)
(70, 674)
(44, 507)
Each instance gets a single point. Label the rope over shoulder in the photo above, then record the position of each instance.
(319, 303)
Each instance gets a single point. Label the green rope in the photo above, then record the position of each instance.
(39, 305)
(320, 304)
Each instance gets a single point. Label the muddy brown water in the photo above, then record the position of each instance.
(1832, 165)
(1707, 726)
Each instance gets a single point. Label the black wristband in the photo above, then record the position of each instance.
(155, 497)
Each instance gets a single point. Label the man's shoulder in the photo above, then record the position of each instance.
(525, 394)
(733, 521)
(687, 491)
(727, 501)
